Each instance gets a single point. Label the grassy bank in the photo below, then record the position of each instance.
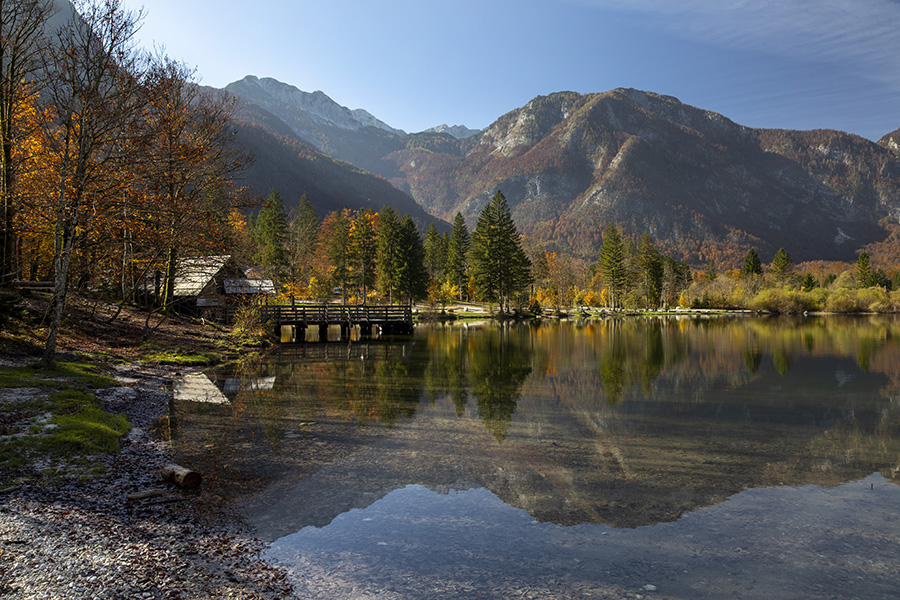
(52, 423)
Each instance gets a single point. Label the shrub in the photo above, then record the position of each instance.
(785, 300)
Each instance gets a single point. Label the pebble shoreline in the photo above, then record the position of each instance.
(86, 540)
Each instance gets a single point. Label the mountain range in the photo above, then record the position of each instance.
(705, 187)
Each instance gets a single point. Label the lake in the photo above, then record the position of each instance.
(642, 457)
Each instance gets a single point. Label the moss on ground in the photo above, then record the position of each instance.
(53, 435)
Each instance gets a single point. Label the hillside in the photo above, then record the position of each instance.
(292, 166)
(706, 187)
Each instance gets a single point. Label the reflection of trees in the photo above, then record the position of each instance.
(375, 382)
(634, 353)
(446, 373)
(782, 361)
(752, 359)
(500, 363)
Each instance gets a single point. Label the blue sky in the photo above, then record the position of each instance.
(800, 64)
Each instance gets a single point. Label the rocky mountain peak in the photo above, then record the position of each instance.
(278, 98)
(460, 132)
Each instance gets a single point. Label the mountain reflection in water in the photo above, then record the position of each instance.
(621, 422)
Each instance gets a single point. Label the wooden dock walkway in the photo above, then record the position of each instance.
(388, 319)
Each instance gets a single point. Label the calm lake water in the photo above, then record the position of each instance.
(654, 458)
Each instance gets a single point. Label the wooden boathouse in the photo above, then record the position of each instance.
(388, 319)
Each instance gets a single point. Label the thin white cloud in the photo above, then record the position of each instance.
(860, 35)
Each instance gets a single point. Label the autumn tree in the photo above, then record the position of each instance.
(22, 25)
(188, 160)
(499, 265)
(94, 80)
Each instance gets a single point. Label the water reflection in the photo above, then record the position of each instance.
(620, 422)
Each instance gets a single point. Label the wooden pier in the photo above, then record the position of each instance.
(300, 317)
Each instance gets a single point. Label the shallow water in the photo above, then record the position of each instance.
(722, 458)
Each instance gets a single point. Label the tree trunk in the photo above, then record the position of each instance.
(169, 284)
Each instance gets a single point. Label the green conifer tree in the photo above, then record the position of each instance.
(612, 265)
(271, 235)
(651, 269)
(410, 272)
(301, 241)
(386, 248)
(863, 270)
(499, 265)
(363, 248)
(752, 264)
(782, 265)
(435, 253)
(457, 266)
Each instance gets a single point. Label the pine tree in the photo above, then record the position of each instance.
(499, 265)
(752, 264)
(387, 247)
(435, 253)
(808, 282)
(338, 250)
(457, 265)
(651, 268)
(863, 270)
(362, 251)
(410, 272)
(612, 265)
(782, 265)
(301, 241)
(271, 234)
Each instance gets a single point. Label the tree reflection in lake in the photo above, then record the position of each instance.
(623, 422)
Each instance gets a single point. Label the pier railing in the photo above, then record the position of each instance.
(388, 318)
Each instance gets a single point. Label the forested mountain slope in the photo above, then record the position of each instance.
(292, 166)
(704, 186)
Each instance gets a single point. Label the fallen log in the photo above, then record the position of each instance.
(186, 478)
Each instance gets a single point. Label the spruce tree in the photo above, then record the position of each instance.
(752, 264)
(362, 252)
(410, 273)
(499, 265)
(612, 265)
(808, 282)
(457, 265)
(301, 241)
(651, 268)
(782, 265)
(386, 248)
(338, 250)
(271, 235)
(863, 270)
(435, 253)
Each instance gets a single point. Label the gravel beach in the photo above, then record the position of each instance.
(88, 540)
